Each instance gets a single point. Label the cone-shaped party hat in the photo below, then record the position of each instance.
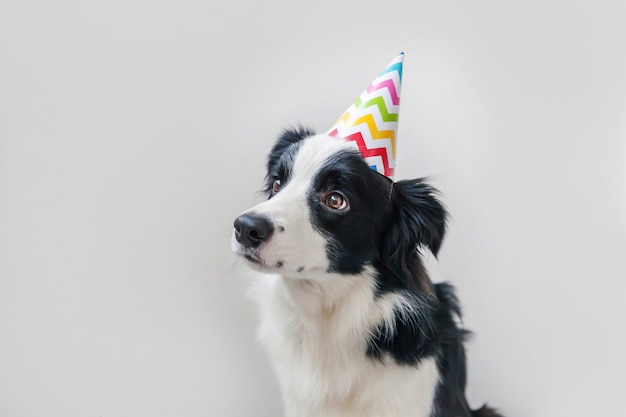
(372, 120)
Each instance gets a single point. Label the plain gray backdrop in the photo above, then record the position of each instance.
(133, 132)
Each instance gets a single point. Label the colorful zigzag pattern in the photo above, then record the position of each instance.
(371, 122)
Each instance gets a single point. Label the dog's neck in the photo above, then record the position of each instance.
(328, 294)
(325, 296)
(345, 305)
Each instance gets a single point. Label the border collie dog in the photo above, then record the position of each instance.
(350, 319)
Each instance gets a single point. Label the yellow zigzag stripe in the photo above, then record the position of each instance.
(376, 134)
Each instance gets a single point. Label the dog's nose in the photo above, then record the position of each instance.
(251, 230)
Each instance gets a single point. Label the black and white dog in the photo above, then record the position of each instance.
(350, 319)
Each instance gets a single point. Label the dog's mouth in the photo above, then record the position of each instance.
(255, 259)
(258, 263)
(251, 257)
(249, 254)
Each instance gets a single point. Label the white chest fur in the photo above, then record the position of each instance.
(316, 335)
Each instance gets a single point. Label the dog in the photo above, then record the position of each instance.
(350, 319)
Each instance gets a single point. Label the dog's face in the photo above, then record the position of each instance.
(328, 211)
(325, 210)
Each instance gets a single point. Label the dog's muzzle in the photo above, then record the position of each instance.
(251, 230)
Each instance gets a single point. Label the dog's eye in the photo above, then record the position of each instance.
(277, 185)
(336, 201)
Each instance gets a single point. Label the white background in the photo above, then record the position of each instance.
(133, 132)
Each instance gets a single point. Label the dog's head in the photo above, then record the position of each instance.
(328, 211)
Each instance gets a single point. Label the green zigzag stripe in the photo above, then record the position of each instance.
(382, 108)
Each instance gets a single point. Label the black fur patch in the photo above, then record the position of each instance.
(419, 221)
(432, 331)
(410, 340)
(281, 157)
(353, 236)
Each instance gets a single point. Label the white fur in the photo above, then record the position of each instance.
(315, 325)
(316, 335)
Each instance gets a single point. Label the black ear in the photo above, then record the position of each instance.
(419, 219)
(287, 138)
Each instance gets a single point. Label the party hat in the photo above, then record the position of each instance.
(372, 120)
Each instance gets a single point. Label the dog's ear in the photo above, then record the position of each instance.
(419, 219)
(287, 138)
